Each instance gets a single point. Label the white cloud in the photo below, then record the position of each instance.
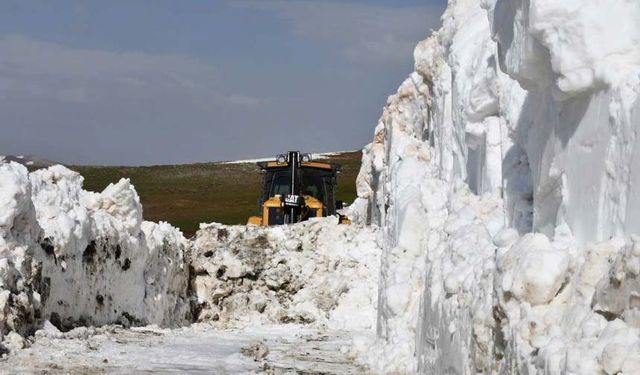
(363, 33)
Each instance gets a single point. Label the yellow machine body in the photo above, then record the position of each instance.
(276, 203)
(312, 195)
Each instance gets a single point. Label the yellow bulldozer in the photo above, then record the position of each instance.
(296, 188)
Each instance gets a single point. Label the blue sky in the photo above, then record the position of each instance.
(158, 81)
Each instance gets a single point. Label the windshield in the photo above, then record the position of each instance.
(281, 183)
(312, 185)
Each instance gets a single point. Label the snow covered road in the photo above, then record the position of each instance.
(196, 349)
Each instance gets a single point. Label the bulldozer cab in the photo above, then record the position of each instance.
(296, 188)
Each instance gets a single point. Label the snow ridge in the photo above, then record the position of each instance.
(502, 174)
(79, 258)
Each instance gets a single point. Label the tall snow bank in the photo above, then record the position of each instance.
(76, 257)
(397, 192)
(20, 282)
(579, 61)
(499, 174)
(317, 272)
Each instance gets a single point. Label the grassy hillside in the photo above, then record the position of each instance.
(187, 195)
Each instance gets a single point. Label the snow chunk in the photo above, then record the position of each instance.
(532, 270)
(121, 201)
(617, 294)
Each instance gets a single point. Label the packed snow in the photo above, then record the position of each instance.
(502, 176)
(317, 272)
(197, 349)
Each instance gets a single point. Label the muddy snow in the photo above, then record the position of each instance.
(317, 272)
(199, 348)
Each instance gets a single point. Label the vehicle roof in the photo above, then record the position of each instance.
(308, 164)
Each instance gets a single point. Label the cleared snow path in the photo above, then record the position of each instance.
(196, 349)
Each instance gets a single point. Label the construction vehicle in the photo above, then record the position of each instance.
(296, 188)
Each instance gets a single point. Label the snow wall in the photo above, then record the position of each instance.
(77, 258)
(504, 174)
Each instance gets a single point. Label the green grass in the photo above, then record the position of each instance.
(190, 194)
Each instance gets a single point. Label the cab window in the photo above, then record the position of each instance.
(313, 185)
(280, 184)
